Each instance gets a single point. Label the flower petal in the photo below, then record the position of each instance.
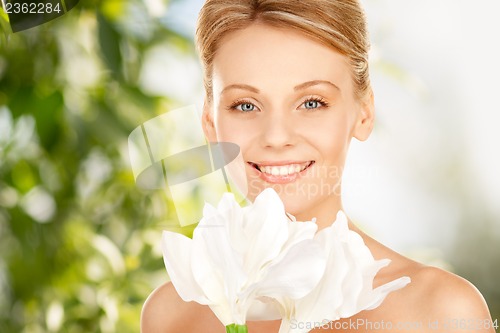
(262, 309)
(266, 228)
(346, 287)
(327, 296)
(177, 250)
(209, 210)
(232, 214)
(380, 293)
(223, 312)
(297, 232)
(296, 274)
(217, 268)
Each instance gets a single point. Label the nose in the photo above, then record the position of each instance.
(278, 130)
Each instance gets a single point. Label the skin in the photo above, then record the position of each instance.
(285, 99)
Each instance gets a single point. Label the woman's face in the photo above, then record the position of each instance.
(289, 103)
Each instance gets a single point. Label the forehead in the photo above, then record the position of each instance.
(279, 56)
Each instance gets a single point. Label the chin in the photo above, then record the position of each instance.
(299, 206)
(295, 203)
(304, 198)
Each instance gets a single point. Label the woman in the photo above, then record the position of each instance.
(288, 82)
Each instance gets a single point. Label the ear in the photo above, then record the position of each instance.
(207, 121)
(366, 117)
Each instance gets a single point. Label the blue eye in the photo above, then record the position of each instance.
(314, 103)
(245, 107)
(311, 104)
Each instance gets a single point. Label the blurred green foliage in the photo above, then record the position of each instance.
(79, 242)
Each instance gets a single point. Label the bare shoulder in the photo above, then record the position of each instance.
(159, 310)
(448, 296)
(442, 299)
(165, 312)
(433, 296)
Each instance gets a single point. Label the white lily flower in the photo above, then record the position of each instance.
(346, 287)
(239, 258)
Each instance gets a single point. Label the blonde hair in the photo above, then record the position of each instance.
(340, 24)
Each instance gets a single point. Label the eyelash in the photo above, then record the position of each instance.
(320, 100)
(233, 107)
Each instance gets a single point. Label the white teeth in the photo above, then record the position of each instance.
(284, 170)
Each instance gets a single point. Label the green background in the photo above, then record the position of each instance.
(79, 242)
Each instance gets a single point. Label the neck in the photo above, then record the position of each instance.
(325, 212)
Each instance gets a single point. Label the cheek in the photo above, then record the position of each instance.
(226, 131)
(332, 143)
(236, 131)
(330, 136)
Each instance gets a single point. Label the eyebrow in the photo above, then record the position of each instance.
(240, 86)
(301, 86)
(314, 83)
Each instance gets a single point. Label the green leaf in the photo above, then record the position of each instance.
(109, 41)
(4, 26)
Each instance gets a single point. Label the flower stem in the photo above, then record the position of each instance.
(233, 328)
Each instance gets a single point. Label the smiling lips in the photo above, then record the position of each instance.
(280, 173)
